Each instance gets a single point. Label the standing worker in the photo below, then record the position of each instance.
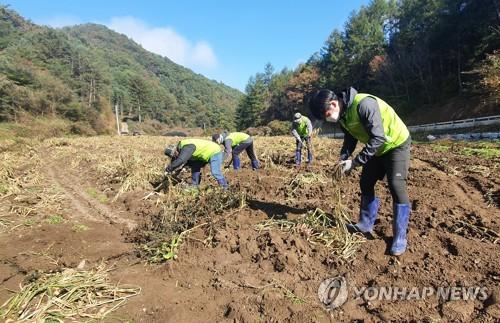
(196, 153)
(302, 131)
(370, 120)
(234, 143)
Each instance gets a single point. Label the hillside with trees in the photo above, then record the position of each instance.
(433, 60)
(81, 73)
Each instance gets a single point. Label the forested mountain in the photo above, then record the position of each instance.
(438, 59)
(82, 72)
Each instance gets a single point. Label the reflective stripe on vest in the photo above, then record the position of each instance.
(395, 130)
(237, 138)
(205, 149)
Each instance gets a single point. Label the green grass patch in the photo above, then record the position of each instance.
(485, 149)
(3, 188)
(165, 251)
(55, 219)
(29, 222)
(79, 227)
(440, 148)
(481, 152)
(92, 192)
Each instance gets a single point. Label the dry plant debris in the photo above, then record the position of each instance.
(67, 295)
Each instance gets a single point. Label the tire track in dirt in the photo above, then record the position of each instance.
(85, 206)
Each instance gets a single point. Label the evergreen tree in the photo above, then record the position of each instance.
(81, 72)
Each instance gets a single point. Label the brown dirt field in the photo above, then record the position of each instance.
(244, 274)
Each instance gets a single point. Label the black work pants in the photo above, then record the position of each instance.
(395, 165)
(245, 145)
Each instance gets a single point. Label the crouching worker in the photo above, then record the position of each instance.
(196, 153)
(234, 143)
(302, 131)
(370, 120)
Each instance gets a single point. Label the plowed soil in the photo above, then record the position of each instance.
(248, 275)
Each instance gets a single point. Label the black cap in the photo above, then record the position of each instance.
(170, 151)
(319, 102)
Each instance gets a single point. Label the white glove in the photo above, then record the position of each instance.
(347, 166)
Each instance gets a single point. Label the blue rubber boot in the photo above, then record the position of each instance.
(298, 157)
(255, 164)
(399, 228)
(309, 158)
(367, 215)
(236, 162)
(222, 182)
(196, 178)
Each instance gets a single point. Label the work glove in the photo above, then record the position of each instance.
(347, 166)
(168, 170)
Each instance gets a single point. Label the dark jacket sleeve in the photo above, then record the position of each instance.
(294, 132)
(184, 155)
(309, 127)
(228, 148)
(369, 114)
(348, 146)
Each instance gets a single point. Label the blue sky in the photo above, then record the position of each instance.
(227, 41)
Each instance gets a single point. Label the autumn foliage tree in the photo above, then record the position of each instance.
(415, 54)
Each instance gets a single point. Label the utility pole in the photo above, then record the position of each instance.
(117, 120)
(121, 109)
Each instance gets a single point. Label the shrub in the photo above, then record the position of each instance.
(279, 128)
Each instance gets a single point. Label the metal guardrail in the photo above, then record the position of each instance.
(456, 124)
(467, 136)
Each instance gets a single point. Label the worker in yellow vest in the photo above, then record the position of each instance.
(302, 131)
(196, 153)
(370, 120)
(234, 143)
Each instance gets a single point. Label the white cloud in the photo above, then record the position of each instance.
(61, 21)
(166, 42)
(204, 53)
